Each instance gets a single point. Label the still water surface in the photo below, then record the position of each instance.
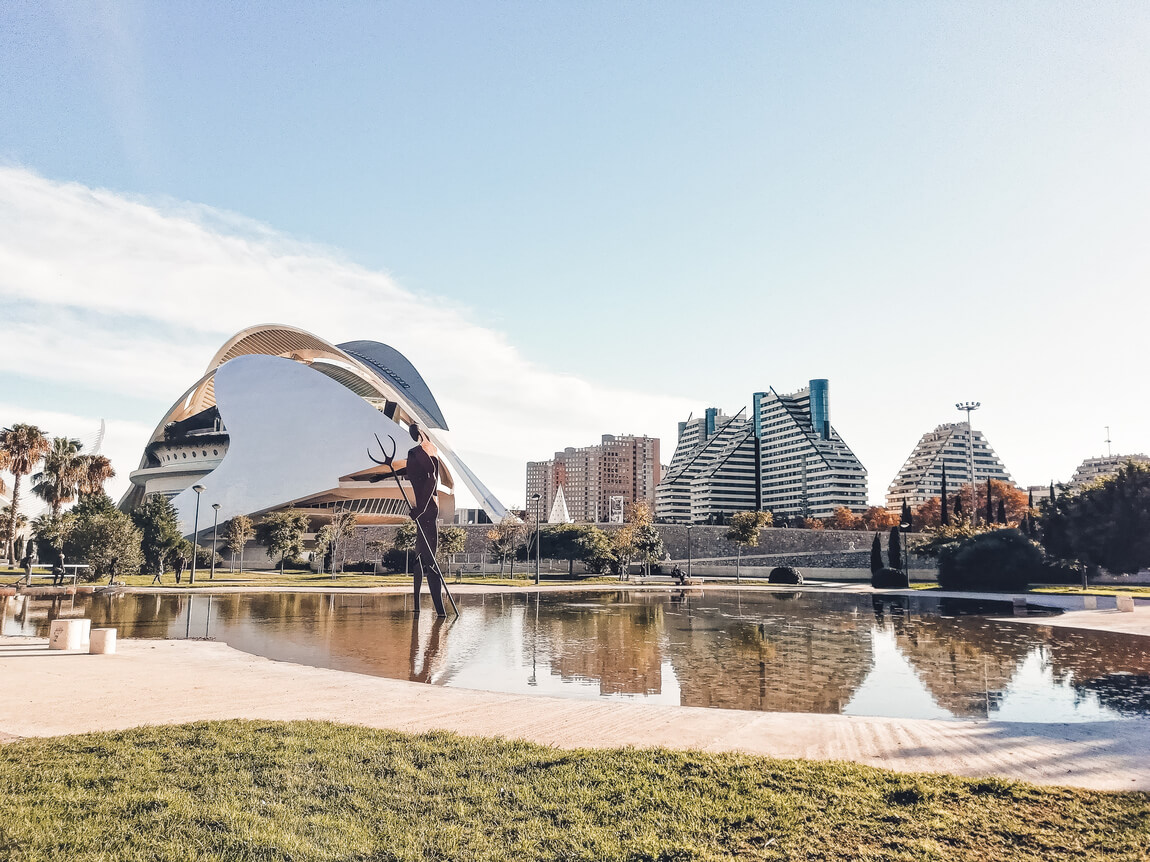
(916, 657)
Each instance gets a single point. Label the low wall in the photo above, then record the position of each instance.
(838, 549)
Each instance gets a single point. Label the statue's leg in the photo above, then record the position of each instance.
(435, 584)
(418, 576)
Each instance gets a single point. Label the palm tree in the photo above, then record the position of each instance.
(63, 468)
(96, 470)
(21, 448)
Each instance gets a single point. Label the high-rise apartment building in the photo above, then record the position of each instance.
(617, 472)
(921, 475)
(785, 458)
(1100, 468)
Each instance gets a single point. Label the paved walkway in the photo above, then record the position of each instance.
(160, 682)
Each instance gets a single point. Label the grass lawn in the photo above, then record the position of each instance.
(1093, 590)
(312, 791)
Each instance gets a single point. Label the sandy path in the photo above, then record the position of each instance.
(159, 682)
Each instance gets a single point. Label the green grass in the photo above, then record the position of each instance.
(315, 791)
(1093, 590)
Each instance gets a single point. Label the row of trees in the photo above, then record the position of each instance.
(66, 473)
(637, 541)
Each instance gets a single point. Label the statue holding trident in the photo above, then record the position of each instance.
(422, 471)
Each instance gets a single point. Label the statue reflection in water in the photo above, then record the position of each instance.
(426, 670)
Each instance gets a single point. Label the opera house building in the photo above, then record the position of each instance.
(283, 418)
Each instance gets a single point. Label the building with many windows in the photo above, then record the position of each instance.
(1093, 469)
(785, 458)
(596, 481)
(921, 475)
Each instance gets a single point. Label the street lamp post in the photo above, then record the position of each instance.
(199, 489)
(215, 527)
(689, 550)
(538, 505)
(970, 407)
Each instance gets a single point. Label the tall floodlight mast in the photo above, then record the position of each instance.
(970, 407)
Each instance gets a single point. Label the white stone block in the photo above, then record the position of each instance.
(1090, 603)
(69, 634)
(1126, 604)
(103, 642)
(1020, 606)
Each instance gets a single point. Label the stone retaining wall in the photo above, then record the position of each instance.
(845, 549)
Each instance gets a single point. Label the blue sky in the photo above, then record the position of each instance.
(666, 206)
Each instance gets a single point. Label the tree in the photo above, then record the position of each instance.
(929, 514)
(1014, 499)
(21, 448)
(876, 565)
(503, 538)
(159, 525)
(406, 538)
(623, 548)
(1106, 524)
(104, 538)
(596, 549)
(894, 550)
(50, 531)
(452, 541)
(1002, 512)
(565, 542)
(648, 544)
(58, 479)
(844, 519)
(21, 523)
(989, 509)
(879, 518)
(95, 470)
(237, 533)
(341, 526)
(282, 533)
(905, 517)
(744, 532)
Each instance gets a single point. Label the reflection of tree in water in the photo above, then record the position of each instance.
(773, 655)
(1114, 667)
(965, 662)
(612, 638)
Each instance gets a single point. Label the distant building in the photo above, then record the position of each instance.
(1093, 469)
(921, 475)
(784, 458)
(624, 468)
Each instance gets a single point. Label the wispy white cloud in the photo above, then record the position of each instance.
(133, 297)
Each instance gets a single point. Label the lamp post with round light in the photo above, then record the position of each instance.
(215, 527)
(970, 407)
(199, 489)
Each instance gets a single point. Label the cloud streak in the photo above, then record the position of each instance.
(132, 297)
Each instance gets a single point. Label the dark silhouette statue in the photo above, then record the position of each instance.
(423, 474)
(422, 471)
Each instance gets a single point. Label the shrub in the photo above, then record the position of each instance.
(393, 560)
(889, 579)
(785, 575)
(999, 560)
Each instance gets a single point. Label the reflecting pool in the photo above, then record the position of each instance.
(812, 652)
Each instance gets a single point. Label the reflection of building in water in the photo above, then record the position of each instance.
(798, 660)
(616, 644)
(964, 662)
